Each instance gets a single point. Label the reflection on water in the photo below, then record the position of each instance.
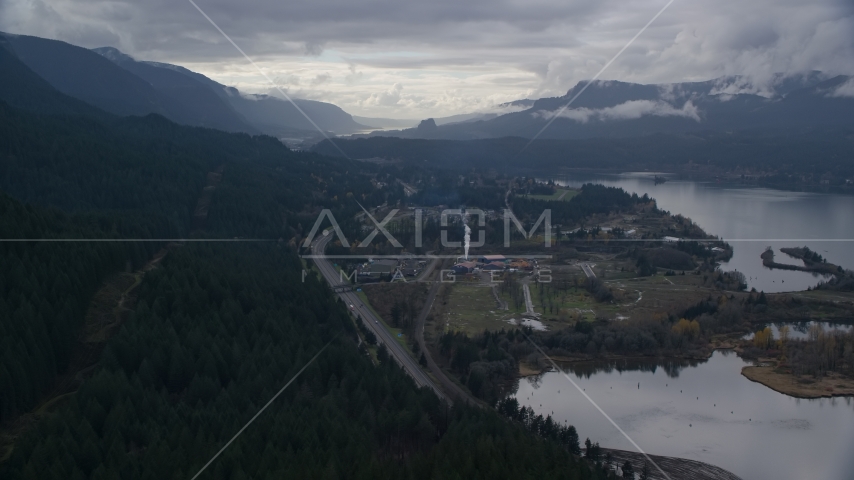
(751, 219)
(670, 367)
(705, 411)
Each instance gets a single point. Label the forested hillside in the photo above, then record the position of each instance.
(830, 151)
(134, 178)
(216, 328)
(22, 88)
(216, 333)
(591, 200)
(46, 287)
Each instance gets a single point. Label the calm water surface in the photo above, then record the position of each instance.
(751, 219)
(706, 411)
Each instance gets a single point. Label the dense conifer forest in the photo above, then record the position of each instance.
(775, 154)
(217, 328)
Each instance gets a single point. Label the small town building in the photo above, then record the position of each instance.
(493, 266)
(463, 268)
(376, 269)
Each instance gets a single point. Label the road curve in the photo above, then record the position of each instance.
(370, 320)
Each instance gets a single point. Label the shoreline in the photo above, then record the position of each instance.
(528, 370)
(675, 467)
(832, 385)
(826, 269)
(722, 177)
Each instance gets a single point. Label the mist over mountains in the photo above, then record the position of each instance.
(619, 109)
(109, 80)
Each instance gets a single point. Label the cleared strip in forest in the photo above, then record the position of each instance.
(107, 310)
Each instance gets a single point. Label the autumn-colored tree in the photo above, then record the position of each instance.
(784, 336)
(687, 328)
(763, 338)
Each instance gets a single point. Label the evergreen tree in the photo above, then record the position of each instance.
(644, 475)
(628, 470)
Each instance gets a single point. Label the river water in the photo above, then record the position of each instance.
(706, 411)
(751, 219)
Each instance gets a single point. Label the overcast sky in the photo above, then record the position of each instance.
(404, 59)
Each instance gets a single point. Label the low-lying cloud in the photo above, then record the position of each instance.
(630, 110)
(742, 85)
(458, 57)
(844, 90)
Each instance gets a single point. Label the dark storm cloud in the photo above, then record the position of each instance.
(555, 43)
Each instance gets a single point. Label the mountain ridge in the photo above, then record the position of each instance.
(114, 82)
(81, 74)
(620, 109)
(194, 103)
(24, 89)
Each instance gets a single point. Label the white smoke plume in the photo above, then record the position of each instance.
(467, 239)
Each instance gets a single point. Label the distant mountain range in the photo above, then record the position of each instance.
(116, 83)
(388, 123)
(619, 109)
(105, 79)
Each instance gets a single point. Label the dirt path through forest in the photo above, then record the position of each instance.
(109, 308)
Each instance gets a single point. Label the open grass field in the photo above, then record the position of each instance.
(827, 295)
(576, 305)
(560, 194)
(565, 299)
(511, 307)
(646, 296)
(472, 309)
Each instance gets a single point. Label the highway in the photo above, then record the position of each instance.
(395, 349)
(588, 270)
(408, 190)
